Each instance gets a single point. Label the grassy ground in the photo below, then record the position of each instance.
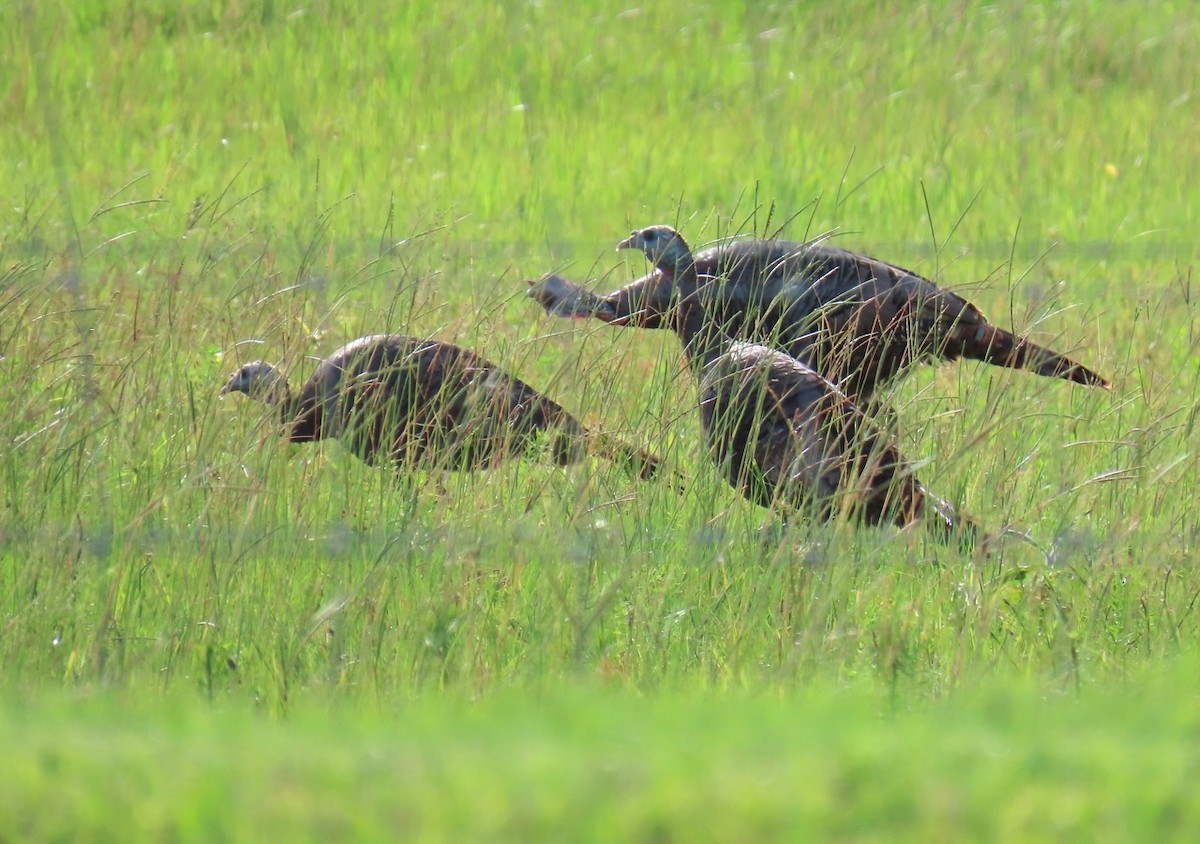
(189, 186)
(598, 765)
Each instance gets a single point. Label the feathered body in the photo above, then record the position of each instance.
(782, 434)
(789, 440)
(425, 403)
(858, 321)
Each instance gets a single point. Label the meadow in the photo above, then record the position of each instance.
(208, 633)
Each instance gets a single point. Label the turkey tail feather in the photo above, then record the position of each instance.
(634, 458)
(1003, 348)
(950, 526)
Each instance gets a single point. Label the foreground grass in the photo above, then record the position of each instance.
(994, 765)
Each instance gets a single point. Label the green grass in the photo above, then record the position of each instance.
(598, 765)
(189, 186)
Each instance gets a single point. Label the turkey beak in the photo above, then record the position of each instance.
(231, 386)
(631, 242)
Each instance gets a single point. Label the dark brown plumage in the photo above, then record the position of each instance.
(426, 403)
(858, 321)
(784, 436)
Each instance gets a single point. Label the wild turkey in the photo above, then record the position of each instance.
(784, 436)
(858, 321)
(425, 403)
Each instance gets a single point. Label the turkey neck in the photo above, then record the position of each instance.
(703, 339)
(299, 424)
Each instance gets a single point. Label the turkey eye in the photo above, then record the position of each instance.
(650, 235)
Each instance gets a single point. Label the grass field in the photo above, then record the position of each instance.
(208, 633)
